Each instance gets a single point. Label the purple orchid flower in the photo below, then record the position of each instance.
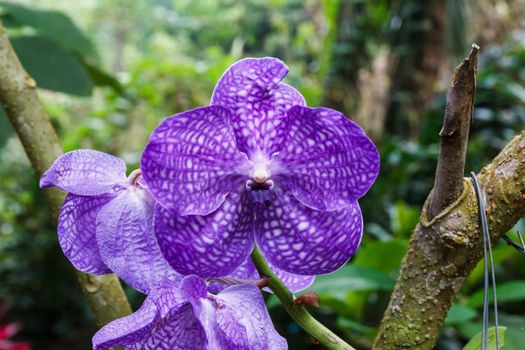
(185, 316)
(105, 223)
(258, 166)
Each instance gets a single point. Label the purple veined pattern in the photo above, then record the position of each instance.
(251, 87)
(236, 318)
(304, 241)
(189, 163)
(127, 243)
(319, 161)
(208, 246)
(110, 228)
(249, 309)
(129, 329)
(327, 161)
(76, 232)
(179, 330)
(85, 173)
(247, 271)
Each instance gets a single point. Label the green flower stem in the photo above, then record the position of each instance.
(298, 312)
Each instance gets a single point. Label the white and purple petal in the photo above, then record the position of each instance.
(130, 329)
(248, 272)
(76, 232)
(245, 306)
(164, 321)
(251, 87)
(190, 161)
(179, 330)
(209, 246)
(327, 161)
(304, 241)
(85, 172)
(127, 242)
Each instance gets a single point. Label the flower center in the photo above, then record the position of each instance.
(260, 169)
(260, 173)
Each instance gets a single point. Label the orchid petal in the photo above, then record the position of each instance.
(251, 87)
(327, 161)
(85, 172)
(190, 161)
(209, 246)
(305, 241)
(127, 242)
(76, 232)
(245, 305)
(295, 283)
(130, 329)
(179, 330)
(192, 288)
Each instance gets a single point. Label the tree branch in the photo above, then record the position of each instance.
(21, 103)
(443, 251)
(450, 169)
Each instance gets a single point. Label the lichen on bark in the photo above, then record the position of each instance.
(443, 251)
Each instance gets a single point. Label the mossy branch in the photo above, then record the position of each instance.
(20, 101)
(444, 250)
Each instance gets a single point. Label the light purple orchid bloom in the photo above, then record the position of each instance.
(105, 223)
(258, 166)
(185, 316)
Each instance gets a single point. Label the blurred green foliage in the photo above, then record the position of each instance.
(164, 57)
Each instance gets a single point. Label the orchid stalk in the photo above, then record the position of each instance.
(298, 312)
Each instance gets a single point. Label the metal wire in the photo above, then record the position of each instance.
(487, 252)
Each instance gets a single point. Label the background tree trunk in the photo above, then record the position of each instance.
(21, 103)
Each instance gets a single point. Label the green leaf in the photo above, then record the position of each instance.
(51, 66)
(347, 323)
(403, 218)
(475, 342)
(53, 25)
(460, 314)
(508, 291)
(351, 278)
(384, 256)
(499, 253)
(101, 78)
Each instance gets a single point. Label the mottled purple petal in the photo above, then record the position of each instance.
(251, 87)
(76, 232)
(85, 173)
(193, 288)
(179, 330)
(328, 162)
(127, 242)
(190, 161)
(295, 283)
(231, 333)
(305, 241)
(128, 330)
(167, 296)
(246, 303)
(209, 246)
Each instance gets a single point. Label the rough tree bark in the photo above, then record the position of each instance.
(19, 98)
(448, 184)
(446, 246)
